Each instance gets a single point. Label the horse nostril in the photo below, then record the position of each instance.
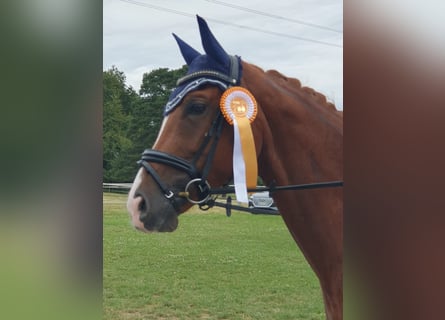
(137, 207)
(142, 205)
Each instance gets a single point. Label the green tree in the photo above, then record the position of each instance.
(114, 136)
(132, 121)
(148, 113)
(118, 100)
(160, 82)
(114, 87)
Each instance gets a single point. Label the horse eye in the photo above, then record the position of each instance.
(196, 108)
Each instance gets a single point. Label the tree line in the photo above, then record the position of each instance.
(131, 120)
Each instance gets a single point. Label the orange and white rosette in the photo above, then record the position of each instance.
(239, 108)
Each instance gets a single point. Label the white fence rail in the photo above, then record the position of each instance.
(116, 187)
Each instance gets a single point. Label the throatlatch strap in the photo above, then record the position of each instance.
(218, 124)
(234, 70)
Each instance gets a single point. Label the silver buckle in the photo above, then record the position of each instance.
(170, 195)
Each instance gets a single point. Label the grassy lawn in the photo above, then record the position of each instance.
(211, 267)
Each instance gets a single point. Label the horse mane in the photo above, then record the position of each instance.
(294, 85)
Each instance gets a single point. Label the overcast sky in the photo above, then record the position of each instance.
(305, 42)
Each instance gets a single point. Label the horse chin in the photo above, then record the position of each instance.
(168, 225)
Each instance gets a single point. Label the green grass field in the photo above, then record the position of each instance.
(212, 267)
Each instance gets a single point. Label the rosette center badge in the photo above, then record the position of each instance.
(238, 102)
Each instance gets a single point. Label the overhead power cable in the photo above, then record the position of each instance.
(273, 16)
(147, 5)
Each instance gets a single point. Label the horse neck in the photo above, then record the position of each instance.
(300, 140)
(301, 134)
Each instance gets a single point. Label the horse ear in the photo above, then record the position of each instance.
(210, 44)
(186, 50)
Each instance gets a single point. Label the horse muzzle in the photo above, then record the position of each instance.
(146, 220)
(149, 210)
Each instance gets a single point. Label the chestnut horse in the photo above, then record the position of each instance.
(298, 139)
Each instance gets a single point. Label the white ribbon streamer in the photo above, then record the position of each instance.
(239, 168)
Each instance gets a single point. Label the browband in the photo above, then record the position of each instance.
(232, 80)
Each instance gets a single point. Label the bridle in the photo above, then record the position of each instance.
(197, 177)
(193, 80)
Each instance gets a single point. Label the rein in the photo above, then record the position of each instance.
(208, 202)
(273, 188)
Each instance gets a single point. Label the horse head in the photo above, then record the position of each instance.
(193, 138)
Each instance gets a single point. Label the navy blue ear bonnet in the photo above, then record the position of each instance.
(215, 67)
